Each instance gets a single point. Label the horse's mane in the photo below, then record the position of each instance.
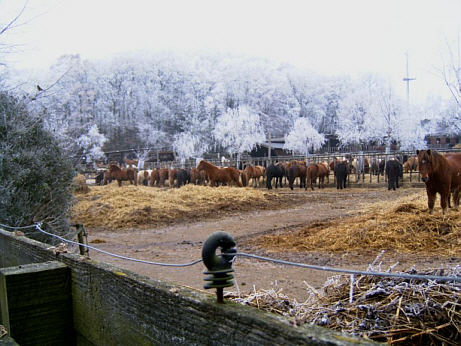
(207, 164)
(113, 167)
(437, 158)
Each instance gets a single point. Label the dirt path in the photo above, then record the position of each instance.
(182, 243)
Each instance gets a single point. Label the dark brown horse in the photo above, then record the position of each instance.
(441, 174)
(197, 177)
(125, 174)
(297, 170)
(226, 175)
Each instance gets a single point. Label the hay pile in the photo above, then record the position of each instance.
(397, 311)
(79, 184)
(131, 206)
(403, 225)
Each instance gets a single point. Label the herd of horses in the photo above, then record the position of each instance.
(206, 173)
(440, 173)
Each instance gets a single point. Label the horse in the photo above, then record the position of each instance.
(411, 164)
(455, 188)
(375, 166)
(143, 177)
(162, 176)
(341, 170)
(297, 170)
(197, 177)
(125, 174)
(253, 172)
(312, 173)
(225, 175)
(172, 176)
(154, 177)
(276, 171)
(107, 177)
(324, 171)
(182, 177)
(394, 171)
(263, 172)
(441, 174)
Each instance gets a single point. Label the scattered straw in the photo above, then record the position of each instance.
(132, 206)
(402, 225)
(79, 184)
(397, 311)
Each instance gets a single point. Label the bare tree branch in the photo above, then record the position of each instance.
(10, 25)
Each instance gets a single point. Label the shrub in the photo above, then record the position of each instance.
(35, 174)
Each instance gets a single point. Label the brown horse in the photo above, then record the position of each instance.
(125, 174)
(162, 176)
(324, 172)
(311, 174)
(297, 170)
(253, 172)
(226, 175)
(154, 177)
(317, 170)
(441, 174)
(410, 165)
(172, 176)
(197, 177)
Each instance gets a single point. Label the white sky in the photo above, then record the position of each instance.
(328, 36)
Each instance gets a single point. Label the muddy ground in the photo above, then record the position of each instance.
(182, 242)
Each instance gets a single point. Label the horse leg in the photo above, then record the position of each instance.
(455, 194)
(430, 200)
(119, 181)
(444, 197)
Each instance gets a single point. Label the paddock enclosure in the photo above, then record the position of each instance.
(362, 227)
(346, 229)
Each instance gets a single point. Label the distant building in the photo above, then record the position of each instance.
(442, 140)
(276, 146)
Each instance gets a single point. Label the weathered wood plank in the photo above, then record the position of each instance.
(37, 304)
(113, 306)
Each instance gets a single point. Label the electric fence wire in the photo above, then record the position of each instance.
(38, 228)
(262, 258)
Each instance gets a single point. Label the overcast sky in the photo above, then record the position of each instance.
(329, 36)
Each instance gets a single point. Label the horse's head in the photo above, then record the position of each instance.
(113, 168)
(201, 165)
(426, 163)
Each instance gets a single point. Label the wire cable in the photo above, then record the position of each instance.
(350, 271)
(38, 228)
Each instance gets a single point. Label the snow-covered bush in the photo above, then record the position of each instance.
(35, 174)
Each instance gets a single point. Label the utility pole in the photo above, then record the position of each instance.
(407, 80)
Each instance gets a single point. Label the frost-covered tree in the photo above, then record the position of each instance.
(187, 145)
(412, 130)
(303, 137)
(371, 112)
(91, 144)
(239, 130)
(35, 173)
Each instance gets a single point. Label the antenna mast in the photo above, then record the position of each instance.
(407, 80)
